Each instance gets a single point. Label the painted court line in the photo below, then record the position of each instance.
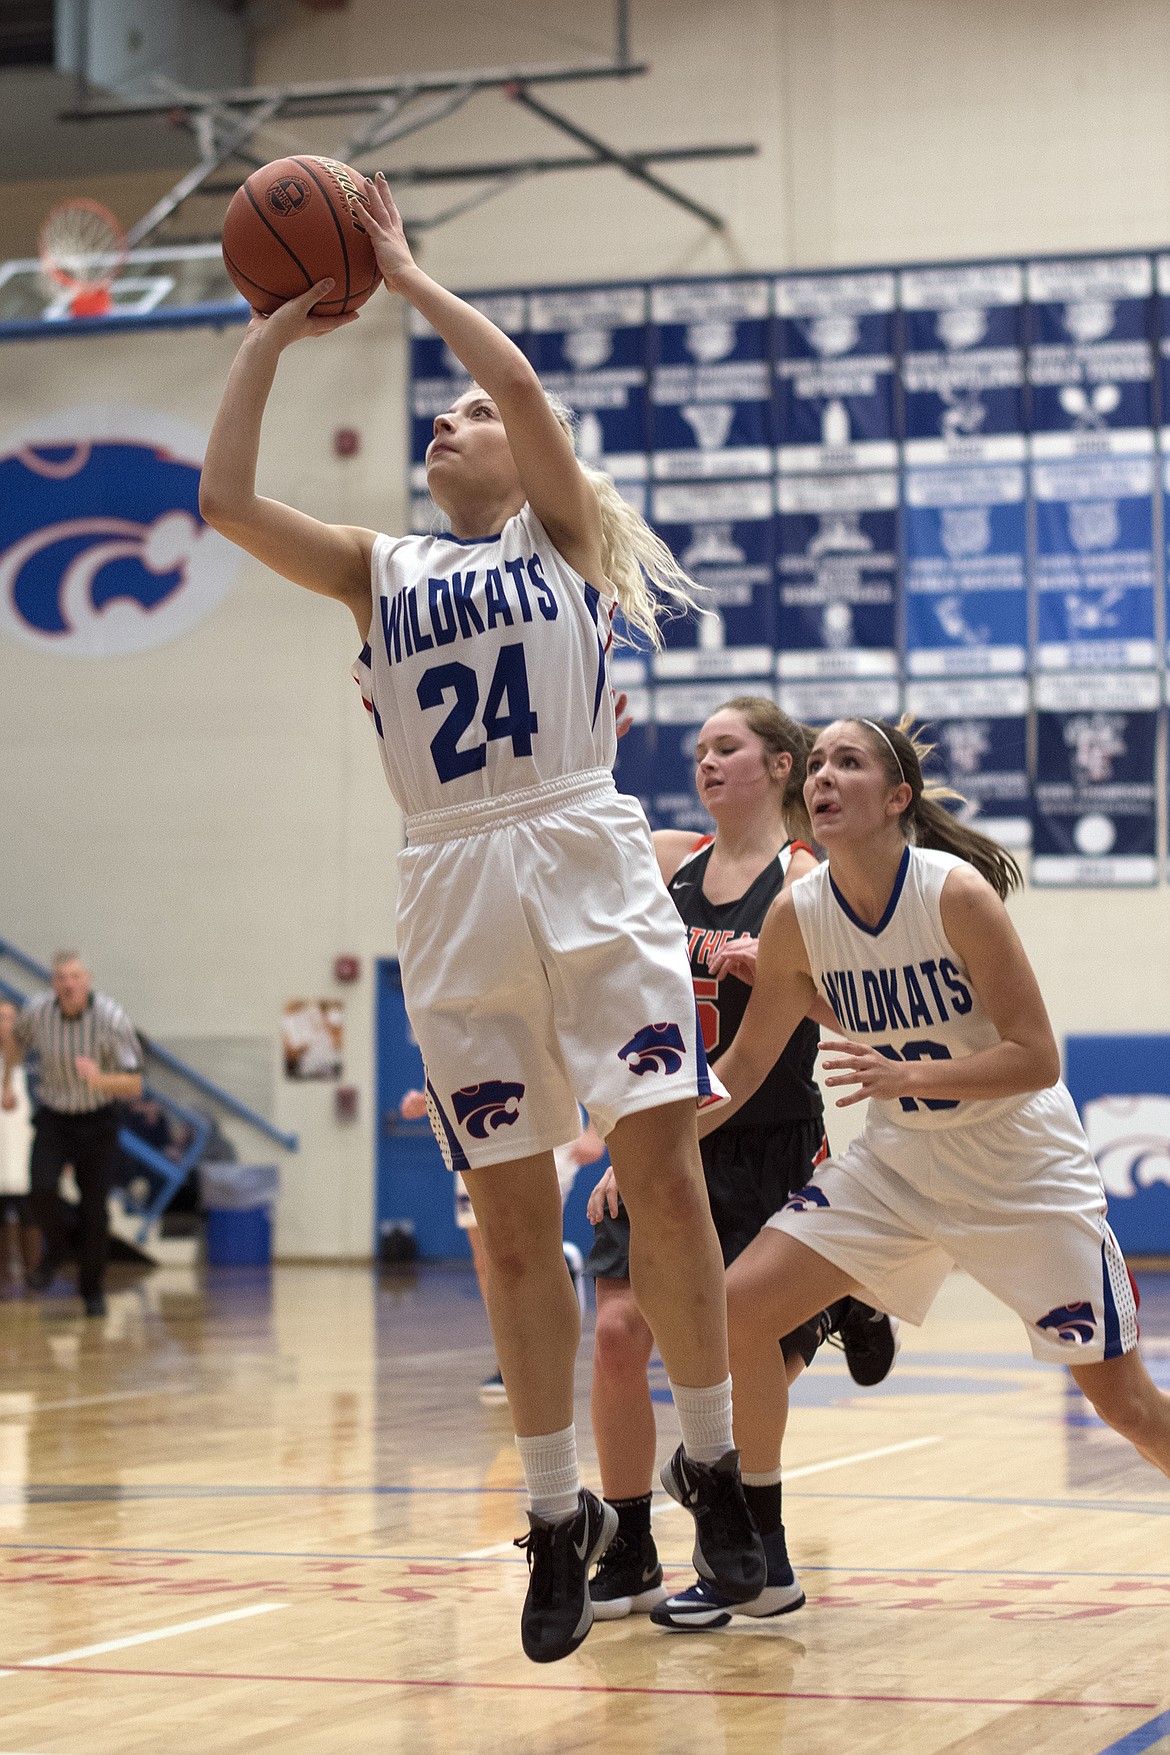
(86, 1651)
(97, 1401)
(837, 1462)
(1157, 1732)
(451, 1685)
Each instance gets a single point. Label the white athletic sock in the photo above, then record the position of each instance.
(773, 1478)
(549, 1462)
(705, 1418)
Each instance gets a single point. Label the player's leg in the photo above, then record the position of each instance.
(629, 1578)
(536, 1326)
(49, 1155)
(773, 1287)
(1127, 1398)
(676, 1271)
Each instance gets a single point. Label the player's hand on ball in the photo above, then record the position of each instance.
(294, 321)
(604, 1199)
(383, 222)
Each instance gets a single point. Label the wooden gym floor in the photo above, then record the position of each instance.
(268, 1513)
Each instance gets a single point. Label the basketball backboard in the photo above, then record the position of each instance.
(161, 287)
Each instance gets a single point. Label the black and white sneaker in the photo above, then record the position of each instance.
(703, 1609)
(728, 1550)
(869, 1340)
(628, 1581)
(558, 1612)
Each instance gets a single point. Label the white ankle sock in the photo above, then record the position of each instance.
(773, 1478)
(705, 1418)
(549, 1462)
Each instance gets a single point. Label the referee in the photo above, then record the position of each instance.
(89, 1058)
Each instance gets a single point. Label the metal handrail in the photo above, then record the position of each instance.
(224, 1098)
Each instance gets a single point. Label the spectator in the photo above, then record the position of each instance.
(89, 1059)
(15, 1144)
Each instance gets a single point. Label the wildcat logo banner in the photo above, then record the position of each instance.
(102, 549)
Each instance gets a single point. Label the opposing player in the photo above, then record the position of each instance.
(541, 956)
(972, 1152)
(749, 776)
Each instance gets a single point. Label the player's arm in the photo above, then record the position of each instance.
(553, 483)
(1025, 1059)
(333, 559)
(782, 995)
(671, 847)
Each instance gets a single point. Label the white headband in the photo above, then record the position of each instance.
(874, 726)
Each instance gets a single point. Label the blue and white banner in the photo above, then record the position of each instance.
(437, 377)
(721, 534)
(963, 363)
(979, 730)
(1162, 267)
(834, 352)
(680, 710)
(1121, 1085)
(711, 382)
(589, 346)
(1091, 359)
(836, 567)
(1094, 571)
(819, 703)
(1095, 806)
(634, 769)
(965, 542)
(102, 548)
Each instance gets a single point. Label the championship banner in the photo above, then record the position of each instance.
(833, 342)
(711, 387)
(1163, 305)
(1095, 806)
(963, 363)
(721, 534)
(980, 735)
(589, 346)
(965, 546)
(837, 568)
(437, 377)
(634, 769)
(1090, 359)
(819, 703)
(680, 710)
(1094, 570)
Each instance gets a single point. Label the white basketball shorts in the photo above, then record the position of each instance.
(543, 963)
(1016, 1201)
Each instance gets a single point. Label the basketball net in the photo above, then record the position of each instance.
(82, 248)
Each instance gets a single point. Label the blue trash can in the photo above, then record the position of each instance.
(239, 1238)
(237, 1204)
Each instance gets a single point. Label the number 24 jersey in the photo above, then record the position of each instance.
(485, 667)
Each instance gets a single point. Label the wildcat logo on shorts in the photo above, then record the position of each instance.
(655, 1048)
(102, 549)
(1074, 1323)
(494, 1103)
(809, 1196)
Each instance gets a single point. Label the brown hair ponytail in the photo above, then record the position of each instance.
(926, 822)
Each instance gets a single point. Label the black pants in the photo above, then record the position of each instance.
(89, 1143)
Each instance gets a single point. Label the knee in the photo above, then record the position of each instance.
(622, 1341)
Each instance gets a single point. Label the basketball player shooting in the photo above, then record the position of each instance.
(542, 958)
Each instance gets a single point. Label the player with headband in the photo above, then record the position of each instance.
(972, 1152)
(542, 959)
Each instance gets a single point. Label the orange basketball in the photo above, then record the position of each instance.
(292, 223)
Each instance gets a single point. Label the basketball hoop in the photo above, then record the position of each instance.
(82, 248)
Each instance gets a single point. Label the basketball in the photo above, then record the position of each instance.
(294, 222)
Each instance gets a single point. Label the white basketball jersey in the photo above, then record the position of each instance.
(485, 667)
(900, 986)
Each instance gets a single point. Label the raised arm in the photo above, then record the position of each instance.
(333, 559)
(549, 473)
(781, 997)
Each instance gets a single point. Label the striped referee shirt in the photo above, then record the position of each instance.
(101, 1032)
